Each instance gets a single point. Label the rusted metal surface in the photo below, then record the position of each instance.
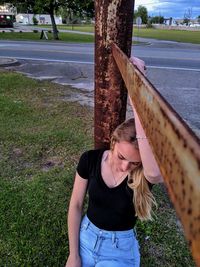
(175, 146)
(114, 22)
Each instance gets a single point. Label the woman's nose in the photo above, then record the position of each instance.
(125, 166)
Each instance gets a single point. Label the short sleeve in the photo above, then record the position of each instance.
(82, 167)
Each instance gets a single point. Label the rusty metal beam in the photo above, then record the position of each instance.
(114, 22)
(175, 146)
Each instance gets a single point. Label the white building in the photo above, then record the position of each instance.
(170, 22)
(41, 18)
(5, 8)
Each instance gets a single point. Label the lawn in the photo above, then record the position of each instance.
(170, 35)
(41, 138)
(161, 34)
(72, 27)
(35, 36)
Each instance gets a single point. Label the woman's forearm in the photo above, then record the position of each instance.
(74, 219)
(151, 169)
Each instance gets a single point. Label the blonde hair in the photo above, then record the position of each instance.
(143, 199)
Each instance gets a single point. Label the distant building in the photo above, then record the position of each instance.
(170, 22)
(7, 9)
(192, 23)
(41, 18)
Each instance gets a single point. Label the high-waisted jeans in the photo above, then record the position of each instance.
(100, 248)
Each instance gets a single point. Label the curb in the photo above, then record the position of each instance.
(142, 43)
(6, 62)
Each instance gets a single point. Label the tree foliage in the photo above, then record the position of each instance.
(77, 10)
(143, 13)
(51, 7)
(157, 20)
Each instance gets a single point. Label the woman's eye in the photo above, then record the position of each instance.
(136, 163)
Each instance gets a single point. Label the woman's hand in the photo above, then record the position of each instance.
(140, 64)
(73, 261)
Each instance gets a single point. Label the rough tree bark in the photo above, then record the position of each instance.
(54, 26)
(114, 23)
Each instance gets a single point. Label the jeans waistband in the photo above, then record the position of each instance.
(86, 223)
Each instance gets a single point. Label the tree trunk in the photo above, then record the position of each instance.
(114, 23)
(54, 26)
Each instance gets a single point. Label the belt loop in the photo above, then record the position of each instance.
(87, 223)
(113, 238)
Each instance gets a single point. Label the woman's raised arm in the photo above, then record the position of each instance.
(151, 169)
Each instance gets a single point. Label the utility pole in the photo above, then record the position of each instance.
(114, 23)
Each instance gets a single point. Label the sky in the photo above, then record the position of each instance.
(174, 8)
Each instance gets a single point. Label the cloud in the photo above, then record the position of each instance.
(175, 9)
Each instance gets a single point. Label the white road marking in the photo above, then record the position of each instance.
(52, 60)
(91, 63)
(171, 68)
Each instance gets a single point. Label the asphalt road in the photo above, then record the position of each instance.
(158, 54)
(174, 69)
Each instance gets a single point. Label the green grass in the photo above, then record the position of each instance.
(162, 34)
(161, 241)
(41, 138)
(170, 35)
(66, 37)
(81, 28)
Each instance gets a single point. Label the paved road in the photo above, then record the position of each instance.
(173, 68)
(162, 55)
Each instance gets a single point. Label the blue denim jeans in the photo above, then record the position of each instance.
(100, 248)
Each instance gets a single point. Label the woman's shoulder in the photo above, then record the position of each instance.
(92, 153)
(88, 162)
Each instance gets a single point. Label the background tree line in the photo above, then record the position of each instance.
(81, 8)
(143, 13)
(146, 19)
(73, 9)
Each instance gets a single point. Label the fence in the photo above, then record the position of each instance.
(175, 146)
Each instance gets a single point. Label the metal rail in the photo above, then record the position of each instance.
(175, 146)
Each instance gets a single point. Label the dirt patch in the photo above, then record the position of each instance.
(78, 75)
(52, 162)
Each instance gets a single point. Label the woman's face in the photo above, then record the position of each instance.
(125, 156)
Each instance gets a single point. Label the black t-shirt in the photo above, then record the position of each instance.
(110, 209)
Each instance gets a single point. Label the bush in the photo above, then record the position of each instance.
(149, 25)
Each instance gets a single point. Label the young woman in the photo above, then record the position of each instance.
(118, 183)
